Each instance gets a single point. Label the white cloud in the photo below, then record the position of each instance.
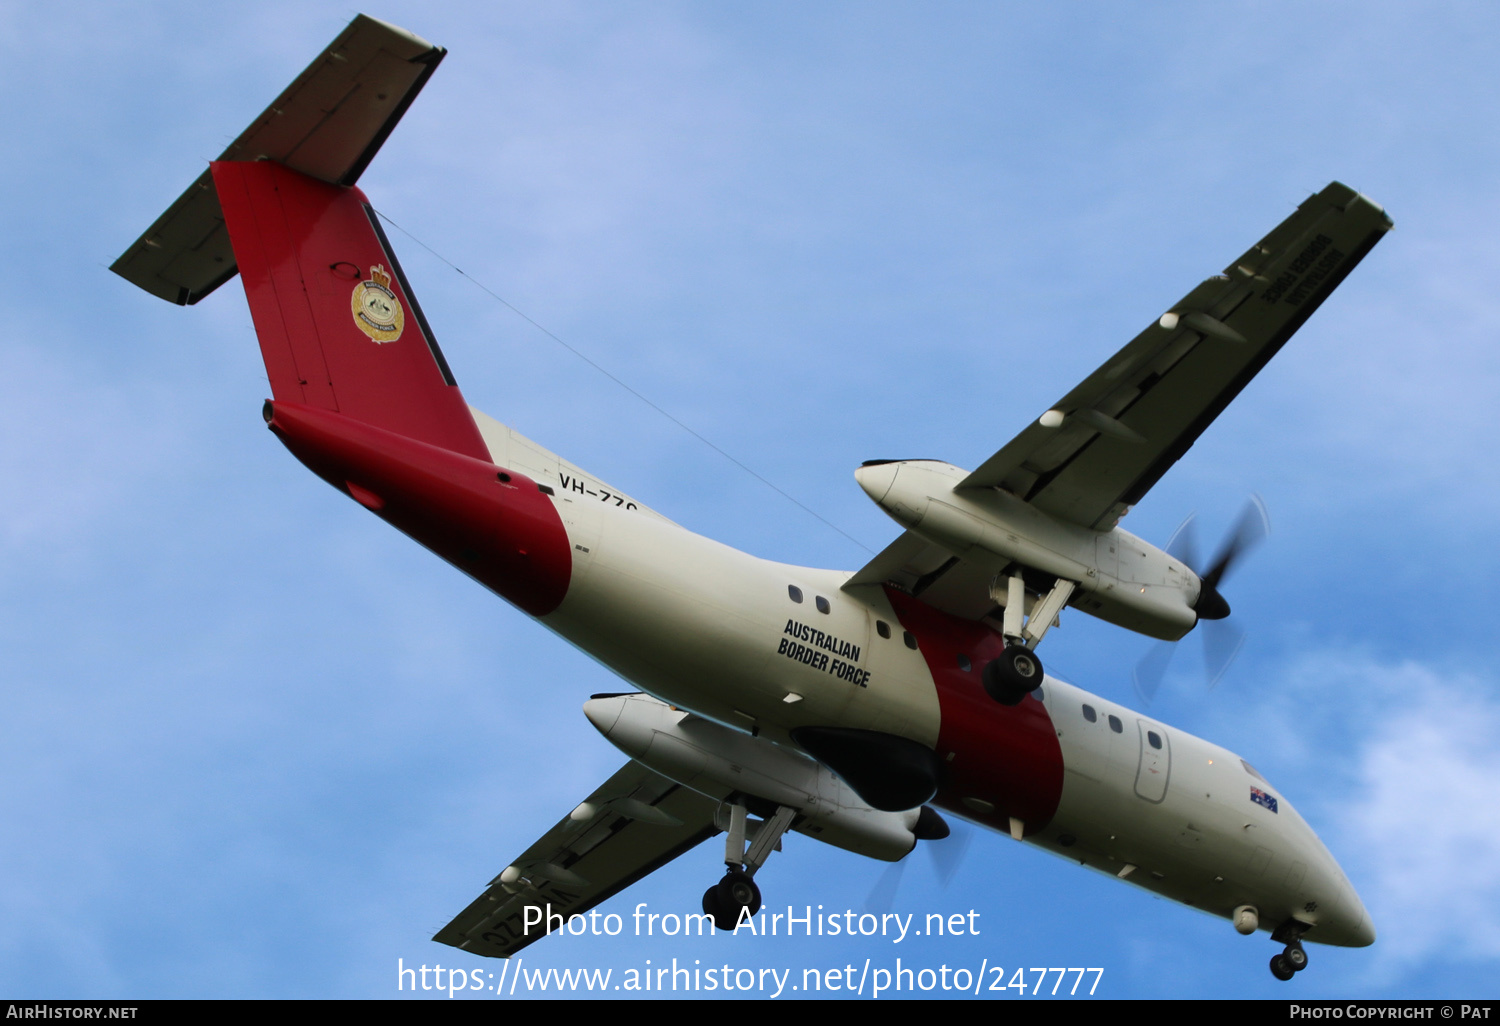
(1395, 764)
(1425, 823)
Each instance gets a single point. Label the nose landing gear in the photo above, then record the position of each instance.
(1293, 958)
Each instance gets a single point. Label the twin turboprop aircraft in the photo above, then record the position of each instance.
(847, 707)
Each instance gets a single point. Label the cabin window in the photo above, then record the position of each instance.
(1090, 715)
(795, 592)
(821, 603)
(882, 628)
(1115, 725)
(1153, 738)
(964, 664)
(910, 639)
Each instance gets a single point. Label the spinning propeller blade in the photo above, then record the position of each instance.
(1253, 526)
(1222, 641)
(947, 854)
(1151, 669)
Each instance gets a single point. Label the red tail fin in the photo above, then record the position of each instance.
(339, 327)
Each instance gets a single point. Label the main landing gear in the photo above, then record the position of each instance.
(1293, 958)
(1017, 671)
(1013, 675)
(736, 897)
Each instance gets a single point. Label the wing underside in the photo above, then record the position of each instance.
(632, 825)
(1125, 425)
(934, 575)
(1103, 445)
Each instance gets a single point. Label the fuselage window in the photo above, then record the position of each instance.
(910, 639)
(821, 603)
(882, 628)
(1115, 725)
(964, 664)
(795, 592)
(1153, 737)
(1090, 715)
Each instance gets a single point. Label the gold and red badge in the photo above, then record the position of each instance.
(377, 311)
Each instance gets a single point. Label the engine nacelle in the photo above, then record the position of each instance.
(1120, 578)
(717, 761)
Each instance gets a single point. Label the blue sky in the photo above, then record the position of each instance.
(258, 744)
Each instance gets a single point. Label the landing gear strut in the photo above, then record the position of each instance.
(1018, 672)
(736, 897)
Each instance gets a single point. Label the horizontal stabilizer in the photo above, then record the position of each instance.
(328, 125)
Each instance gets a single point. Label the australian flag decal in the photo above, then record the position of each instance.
(1260, 797)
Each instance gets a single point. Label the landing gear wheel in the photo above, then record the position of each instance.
(738, 895)
(1281, 967)
(1015, 674)
(1295, 957)
(714, 908)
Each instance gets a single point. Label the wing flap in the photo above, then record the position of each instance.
(632, 825)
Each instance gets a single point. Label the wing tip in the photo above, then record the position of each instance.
(1343, 197)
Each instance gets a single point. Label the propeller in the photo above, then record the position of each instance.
(947, 856)
(1222, 640)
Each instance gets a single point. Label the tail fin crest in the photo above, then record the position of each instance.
(338, 325)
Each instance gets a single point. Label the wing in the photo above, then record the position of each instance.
(635, 823)
(1103, 446)
(933, 574)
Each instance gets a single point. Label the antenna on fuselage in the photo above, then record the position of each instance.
(633, 391)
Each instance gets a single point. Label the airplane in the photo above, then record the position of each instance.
(853, 708)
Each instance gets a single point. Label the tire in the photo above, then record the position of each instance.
(1281, 969)
(711, 901)
(723, 915)
(1013, 675)
(1296, 957)
(737, 891)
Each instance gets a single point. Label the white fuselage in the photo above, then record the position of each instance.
(710, 629)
